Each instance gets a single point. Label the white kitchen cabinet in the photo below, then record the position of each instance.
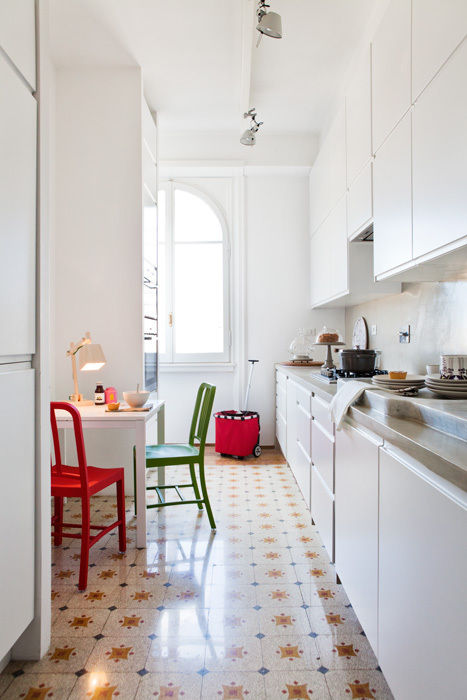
(18, 36)
(422, 581)
(360, 202)
(329, 256)
(356, 523)
(291, 424)
(323, 453)
(437, 29)
(322, 510)
(392, 196)
(18, 507)
(440, 157)
(358, 118)
(391, 70)
(17, 214)
(281, 411)
(328, 178)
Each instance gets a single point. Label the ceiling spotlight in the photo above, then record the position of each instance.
(249, 136)
(269, 23)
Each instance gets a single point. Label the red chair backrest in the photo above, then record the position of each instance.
(79, 439)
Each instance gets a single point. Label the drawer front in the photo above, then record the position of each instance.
(320, 412)
(322, 511)
(304, 430)
(281, 432)
(323, 454)
(281, 401)
(281, 379)
(302, 473)
(303, 397)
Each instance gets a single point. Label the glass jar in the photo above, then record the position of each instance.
(301, 347)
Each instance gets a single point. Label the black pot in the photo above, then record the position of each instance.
(353, 360)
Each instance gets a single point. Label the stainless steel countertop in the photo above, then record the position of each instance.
(431, 430)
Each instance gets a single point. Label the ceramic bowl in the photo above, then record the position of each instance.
(136, 399)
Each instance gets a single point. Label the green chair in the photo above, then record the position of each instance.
(168, 455)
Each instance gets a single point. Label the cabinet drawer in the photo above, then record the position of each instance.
(281, 379)
(304, 430)
(303, 398)
(323, 454)
(322, 511)
(281, 401)
(320, 412)
(281, 432)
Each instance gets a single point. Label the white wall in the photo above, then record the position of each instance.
(278, 282)
(98, 235)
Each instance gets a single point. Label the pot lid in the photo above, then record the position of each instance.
(357, 351)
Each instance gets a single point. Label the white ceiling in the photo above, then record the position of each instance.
(191, 55)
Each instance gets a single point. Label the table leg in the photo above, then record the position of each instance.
(160, 441)
(141, 484)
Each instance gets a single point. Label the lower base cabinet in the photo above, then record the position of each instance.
(356, 523)
(322, 510)
(422, 582)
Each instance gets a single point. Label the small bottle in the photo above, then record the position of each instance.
(99, 394)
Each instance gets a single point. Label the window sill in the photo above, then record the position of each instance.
(186, 367)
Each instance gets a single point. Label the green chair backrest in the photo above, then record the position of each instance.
(202, 415)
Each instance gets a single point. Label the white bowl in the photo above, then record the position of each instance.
(136, 399)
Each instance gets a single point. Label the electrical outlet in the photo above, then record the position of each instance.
(404, 335)
(373, 329)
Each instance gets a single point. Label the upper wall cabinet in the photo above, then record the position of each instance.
(328, 177)
(391, 74)
(17, 214)
(358, 119)
(437, 28)
(329, 274)
(440, 157)
(392, 190)
(18, 36)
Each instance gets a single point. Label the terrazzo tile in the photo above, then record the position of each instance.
(119, 654)
(152, 574)
(101, 685)
(80, 622)
(130, 623)
(324, 595)
(189, 596)
(230, 596)
(275, 573)
(236, 654)
(358, 684)
(175, 655)
(233, 623)
(173, 686)
(65, 655)
(296, 685)
(95, 596)
(289, 652)
(41, 686)
(5, 680)
(233, 686)
(283, 594)
(182, 623)
(346, 652)
(317, 571)
(142, 596)
(284, 621)
(334, 620)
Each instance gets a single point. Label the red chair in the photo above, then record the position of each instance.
(82, 482)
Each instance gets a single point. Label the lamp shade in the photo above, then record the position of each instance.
(91, 357)
(271, 25)
(248, 138)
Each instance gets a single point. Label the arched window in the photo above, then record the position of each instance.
(193, 277)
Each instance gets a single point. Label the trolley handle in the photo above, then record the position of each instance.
(252, 366)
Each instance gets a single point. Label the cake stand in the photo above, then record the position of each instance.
(329, 365)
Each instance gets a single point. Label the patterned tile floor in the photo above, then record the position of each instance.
(251, 612)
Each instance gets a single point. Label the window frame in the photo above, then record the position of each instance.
(170, 358)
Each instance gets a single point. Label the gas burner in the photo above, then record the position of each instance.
(332, 375)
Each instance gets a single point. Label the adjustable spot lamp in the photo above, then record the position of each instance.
(91, 358)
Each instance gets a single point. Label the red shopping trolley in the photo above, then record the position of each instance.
(237, 432)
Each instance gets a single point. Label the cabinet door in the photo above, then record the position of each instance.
(360, 202)
(323, 453)
(357, 524)
(422, 575)
(437, 28)
(17, 511)
(322, 511)
(392, 196)
(291, 453)
(391, 71)
(439, 158)
(303, 475)
(328, 177)
(358, 119)
(337, 249)
(17, 214)
(18, 36)
(319, 268)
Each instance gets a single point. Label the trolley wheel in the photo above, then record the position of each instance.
(257, 451)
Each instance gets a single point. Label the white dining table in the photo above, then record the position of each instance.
(96, 417)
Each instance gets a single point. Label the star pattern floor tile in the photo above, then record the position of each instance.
(251, 612)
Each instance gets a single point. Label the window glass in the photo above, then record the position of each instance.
(194, 219)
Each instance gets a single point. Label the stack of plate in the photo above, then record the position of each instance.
(412, 382)
(452, 388)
